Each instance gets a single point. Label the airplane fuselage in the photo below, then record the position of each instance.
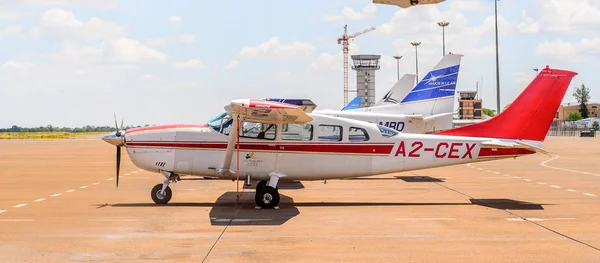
(200, 150)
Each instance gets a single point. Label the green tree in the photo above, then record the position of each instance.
(582, 94)
(574, 116)
(489, 112)
(506, 106)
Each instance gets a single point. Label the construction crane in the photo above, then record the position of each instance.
(344, 41)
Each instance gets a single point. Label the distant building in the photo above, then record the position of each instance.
(566, 108)
(469, 107)
(365, 66)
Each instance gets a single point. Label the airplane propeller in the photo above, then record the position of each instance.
(118, 135)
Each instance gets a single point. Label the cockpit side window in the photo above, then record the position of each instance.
(258, 130)
(297, 132)
(356, 134)
(330, 133)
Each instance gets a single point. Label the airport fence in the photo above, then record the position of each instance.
(566, 128)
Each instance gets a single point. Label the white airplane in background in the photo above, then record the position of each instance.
(254, 147)
(426, 108)
(407, 3)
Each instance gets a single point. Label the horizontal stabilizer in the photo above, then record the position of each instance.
(514, 144)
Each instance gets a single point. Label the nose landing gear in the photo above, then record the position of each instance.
(161, 193)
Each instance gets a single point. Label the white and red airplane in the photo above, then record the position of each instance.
(326, 147)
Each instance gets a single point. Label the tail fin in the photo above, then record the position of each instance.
(354, 104)
(529, 117)
(398, 91)
(439, 83)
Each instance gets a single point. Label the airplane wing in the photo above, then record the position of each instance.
(407, 3)
(266, 111)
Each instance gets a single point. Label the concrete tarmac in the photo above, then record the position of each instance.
(59, 204)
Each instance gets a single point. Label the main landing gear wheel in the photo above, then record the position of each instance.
(159, 197)
(267, 197)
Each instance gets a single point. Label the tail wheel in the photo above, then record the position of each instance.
(158, 196)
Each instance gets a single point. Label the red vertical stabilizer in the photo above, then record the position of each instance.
(529, 117)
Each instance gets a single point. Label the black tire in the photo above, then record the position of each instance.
(159, 199)
(259, 187)
(268, 197)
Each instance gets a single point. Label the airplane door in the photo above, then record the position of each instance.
(258, 156)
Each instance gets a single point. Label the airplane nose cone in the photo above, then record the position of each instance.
(113, 139)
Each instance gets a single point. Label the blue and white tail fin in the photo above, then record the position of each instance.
(439, 83)
(354, 104)
(433, 95)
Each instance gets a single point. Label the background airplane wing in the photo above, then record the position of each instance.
(267, 111)
(407, 3)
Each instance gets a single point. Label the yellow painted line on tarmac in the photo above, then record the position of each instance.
(588, 194)
(19, 205)
(39, 200)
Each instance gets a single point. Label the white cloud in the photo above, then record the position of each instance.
(185, 84)
(174, 20)
(348, 14)
(190, 64)
(63, 24)
(10, 15)
(467, 5)
(156, 42)
(527, 24)
(274, 49)
(121, 50)
(15, 65)
(232, 65)
(333, 62)
(10, 31)
(103, 4)
(567, 16)
(132, 51)
(148, 77)
(584, 50)
(186, 38)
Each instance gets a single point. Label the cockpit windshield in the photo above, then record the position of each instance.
(221, 123)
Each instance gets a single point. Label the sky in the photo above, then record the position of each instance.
(73, 63)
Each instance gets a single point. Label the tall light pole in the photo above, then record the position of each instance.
(398, 65)
(536, 70)
(416, 45)
(497, 62)
(443, 24)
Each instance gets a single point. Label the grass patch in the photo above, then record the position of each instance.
(44, 135)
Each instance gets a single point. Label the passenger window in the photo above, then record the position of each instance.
(258, 130)
(331, 133)
(297, 132)
(358, 135)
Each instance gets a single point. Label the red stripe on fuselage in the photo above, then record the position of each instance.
(499, 152)
(283, 147)
(164, 127)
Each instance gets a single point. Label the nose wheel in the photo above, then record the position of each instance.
(159, 196)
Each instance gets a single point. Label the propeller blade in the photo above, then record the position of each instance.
(118, 134)
(118, 163)
(122, 123)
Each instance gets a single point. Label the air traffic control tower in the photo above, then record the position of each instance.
(365, 66)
